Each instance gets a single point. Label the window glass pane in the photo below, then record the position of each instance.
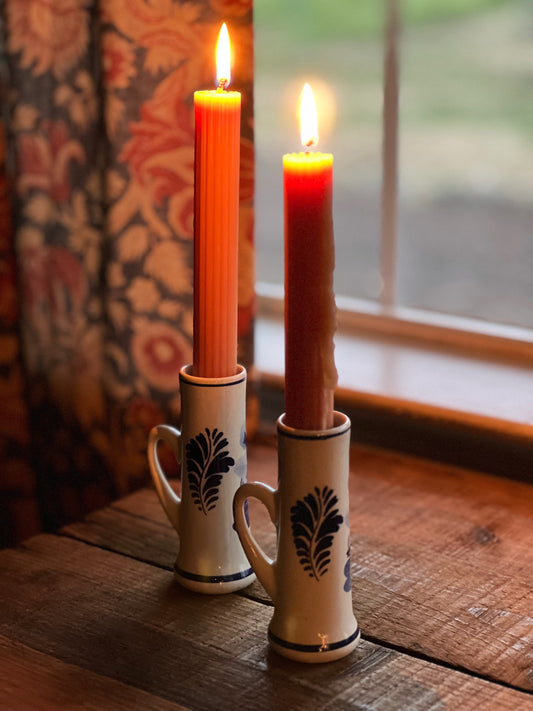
(337, 47)
(466, 160)
(466, 145)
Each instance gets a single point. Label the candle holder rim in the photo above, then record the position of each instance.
(341, 425)
(187, 375)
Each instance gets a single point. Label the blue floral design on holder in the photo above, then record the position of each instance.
(207, 459)
(314, 521)
(347, 570)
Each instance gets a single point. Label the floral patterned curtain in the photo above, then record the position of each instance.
(96, 220)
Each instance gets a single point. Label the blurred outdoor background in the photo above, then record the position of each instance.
(465, 242)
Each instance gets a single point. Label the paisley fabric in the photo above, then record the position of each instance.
(96, 220)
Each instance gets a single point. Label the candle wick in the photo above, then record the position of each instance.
(222, 84)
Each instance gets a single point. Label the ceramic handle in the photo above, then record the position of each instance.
(262, 565)
(169, 500)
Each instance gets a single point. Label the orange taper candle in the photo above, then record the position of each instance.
(310, 311)
(217, 116)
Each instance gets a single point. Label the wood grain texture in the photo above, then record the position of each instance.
(443, 563)
(442, 558)
(75, 614)
(34, 680)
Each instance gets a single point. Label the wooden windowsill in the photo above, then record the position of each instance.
(425, 399)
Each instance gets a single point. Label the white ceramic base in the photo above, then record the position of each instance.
(325, 651)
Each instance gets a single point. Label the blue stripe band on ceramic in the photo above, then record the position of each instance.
(212, 385)
(313, 648)
(213, 578)
(318, 436)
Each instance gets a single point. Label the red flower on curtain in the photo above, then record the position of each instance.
(160, 154)
(169, 32)
(44, 159)
(118, 61)
(159, 352)
(51, 35)
(52, 276)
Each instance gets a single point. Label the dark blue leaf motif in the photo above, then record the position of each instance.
(206, 460)
(314, 521)
(347, 571)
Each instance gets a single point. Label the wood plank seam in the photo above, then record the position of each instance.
(110, 549)
(416, 654)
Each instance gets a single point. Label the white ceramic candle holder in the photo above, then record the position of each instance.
(211, 450)
(309, 581)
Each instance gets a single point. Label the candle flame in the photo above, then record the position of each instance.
(223, 58)
(308, 118)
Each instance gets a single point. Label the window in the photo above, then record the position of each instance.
(448, 336)
(464, 228)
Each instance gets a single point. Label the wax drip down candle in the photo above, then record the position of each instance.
(217, 116)
(310, 310)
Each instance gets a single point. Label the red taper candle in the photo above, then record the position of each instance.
(310, 310)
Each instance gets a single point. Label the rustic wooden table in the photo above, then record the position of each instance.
(442, 577)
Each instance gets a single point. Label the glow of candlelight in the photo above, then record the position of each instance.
(223, 55)
(308, 118)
